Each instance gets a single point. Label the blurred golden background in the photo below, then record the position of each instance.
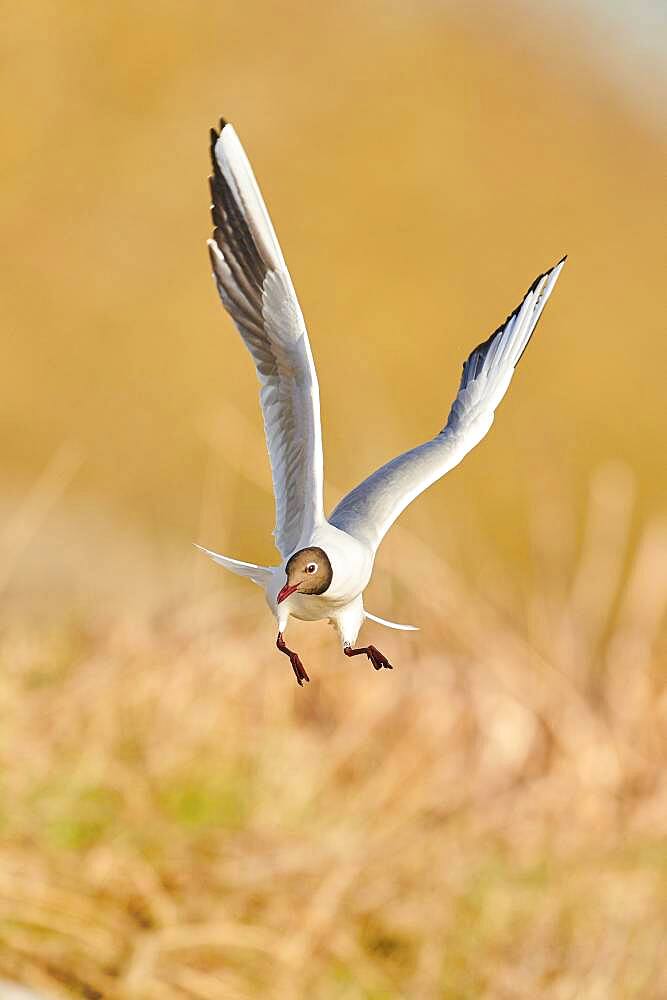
(176, 820)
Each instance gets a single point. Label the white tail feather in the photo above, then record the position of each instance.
(382, 621)
(258, 574)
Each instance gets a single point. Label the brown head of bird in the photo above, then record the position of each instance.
(308, 571)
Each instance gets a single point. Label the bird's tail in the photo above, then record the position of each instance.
(258, 574)
(383, 621)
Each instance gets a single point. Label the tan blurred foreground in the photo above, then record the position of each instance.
(181, 822)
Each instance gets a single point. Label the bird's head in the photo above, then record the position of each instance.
(308, 571)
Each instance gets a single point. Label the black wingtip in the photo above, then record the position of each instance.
(536, 283)
(214, 162)
(216, 135)
(479, 353)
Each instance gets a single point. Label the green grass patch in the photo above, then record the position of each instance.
(202, 802)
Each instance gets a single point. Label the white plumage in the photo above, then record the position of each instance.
(257, 291)
(370, 510)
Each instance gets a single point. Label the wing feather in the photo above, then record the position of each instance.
(256, 290)
(368, 511)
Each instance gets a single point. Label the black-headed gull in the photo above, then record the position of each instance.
(326, 563)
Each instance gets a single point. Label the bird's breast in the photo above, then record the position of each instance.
(310, 608)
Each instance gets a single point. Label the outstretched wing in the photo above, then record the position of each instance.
(257, 292)
(368, 511)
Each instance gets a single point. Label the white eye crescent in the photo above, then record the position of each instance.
(311, 568)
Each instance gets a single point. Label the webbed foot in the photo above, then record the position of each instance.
(295, 660)
(378, 659)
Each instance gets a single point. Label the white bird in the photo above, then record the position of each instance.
(326, 563)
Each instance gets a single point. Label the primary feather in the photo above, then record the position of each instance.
(368, 511)
(258, 574)
(257, 291)
(388, 624)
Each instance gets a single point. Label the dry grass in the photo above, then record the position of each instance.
(180, 821)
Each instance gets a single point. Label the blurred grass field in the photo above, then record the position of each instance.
(177, 820)
(181, 821)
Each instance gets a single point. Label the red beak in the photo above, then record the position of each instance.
(285, 592)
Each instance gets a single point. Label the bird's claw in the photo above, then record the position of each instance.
(378, 659)
(299, 669)
(295, 660)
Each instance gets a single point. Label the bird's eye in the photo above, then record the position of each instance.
(311, 567)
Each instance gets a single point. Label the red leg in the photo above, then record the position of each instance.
(374, 655)
(297, 665)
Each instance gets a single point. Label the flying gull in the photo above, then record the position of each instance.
(326, 563)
